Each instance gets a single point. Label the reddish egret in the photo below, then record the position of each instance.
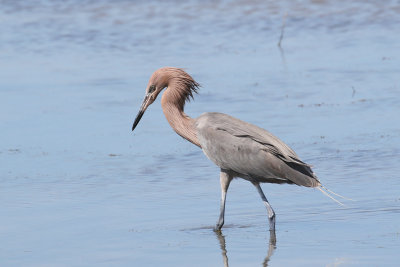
(239, 148)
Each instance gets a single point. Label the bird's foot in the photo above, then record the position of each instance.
(272, 238)
(272, 234)
(218, 227)
(219, 224)
(272, 228)
(272, 223)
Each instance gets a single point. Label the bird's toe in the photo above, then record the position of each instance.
(218, 226)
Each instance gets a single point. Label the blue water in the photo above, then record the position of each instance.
(78, 188)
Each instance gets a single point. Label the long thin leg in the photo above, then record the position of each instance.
(271, 213)
(225, 180)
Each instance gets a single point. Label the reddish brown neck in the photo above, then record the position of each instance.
(182, 124)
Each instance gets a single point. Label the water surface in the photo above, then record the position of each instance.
(78, 188)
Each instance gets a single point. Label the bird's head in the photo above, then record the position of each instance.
(183, 84)
(156, 84)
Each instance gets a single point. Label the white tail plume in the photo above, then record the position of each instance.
(320, 188)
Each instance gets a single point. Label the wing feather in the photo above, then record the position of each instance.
(250, 150)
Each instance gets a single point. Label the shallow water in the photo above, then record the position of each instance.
(78, 188)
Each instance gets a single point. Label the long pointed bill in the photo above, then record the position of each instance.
(143, 108)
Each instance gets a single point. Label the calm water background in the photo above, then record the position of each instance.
(79, 189)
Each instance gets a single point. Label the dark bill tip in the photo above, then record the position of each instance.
(138, 117)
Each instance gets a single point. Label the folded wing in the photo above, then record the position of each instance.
(251, 151)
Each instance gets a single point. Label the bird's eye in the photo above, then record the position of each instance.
(152, 89)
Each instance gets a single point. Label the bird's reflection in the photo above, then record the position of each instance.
(271, 247)
(222, 243)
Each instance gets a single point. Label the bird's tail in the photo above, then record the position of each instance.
(329, 194)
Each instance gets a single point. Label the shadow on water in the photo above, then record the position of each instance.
(224, 252)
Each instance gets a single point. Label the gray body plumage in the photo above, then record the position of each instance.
(250, 152)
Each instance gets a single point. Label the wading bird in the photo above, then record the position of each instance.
(239, 148)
